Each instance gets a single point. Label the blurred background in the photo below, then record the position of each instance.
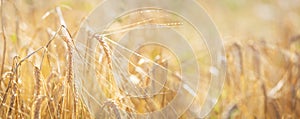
(261, 40)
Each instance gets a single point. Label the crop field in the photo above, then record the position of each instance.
(63, 59)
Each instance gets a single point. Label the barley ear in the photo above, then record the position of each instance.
(38, 98)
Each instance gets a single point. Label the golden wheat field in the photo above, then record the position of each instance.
(57, 62)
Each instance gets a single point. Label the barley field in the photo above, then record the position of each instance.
(49, 70)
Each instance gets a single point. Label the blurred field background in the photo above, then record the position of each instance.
(261, 39)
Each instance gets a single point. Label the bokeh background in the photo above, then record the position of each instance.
(261, 40)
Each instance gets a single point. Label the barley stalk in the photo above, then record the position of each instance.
(13, 86)
(257, 62)
(69, 41)
(4, 41)
(38, 82)
(49, 93)
(61, 103)
(67, 38)
(11, 77)
(37, 107)
(37, 94)
(240, 56)
(106, 49)
(13, 97)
